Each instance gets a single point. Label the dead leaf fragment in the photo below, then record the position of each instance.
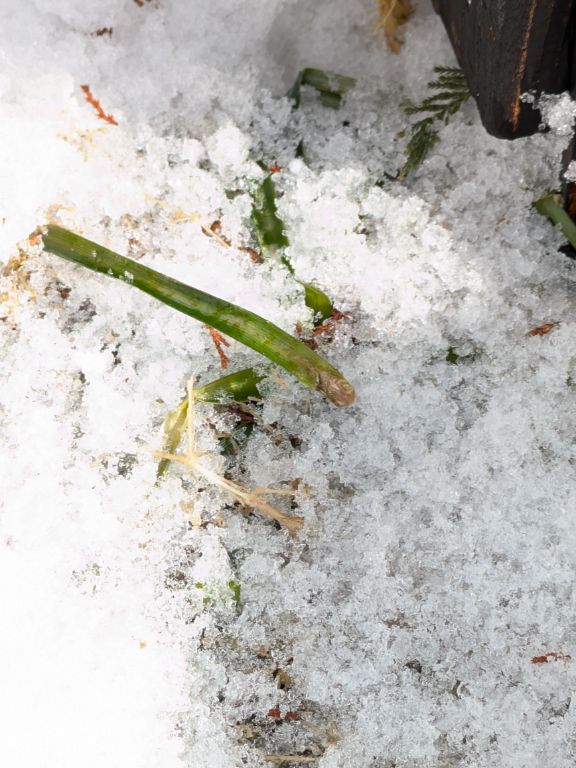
(393, 15)
(542, 330)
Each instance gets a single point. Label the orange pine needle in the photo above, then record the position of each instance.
(219, 342)
(90, 98)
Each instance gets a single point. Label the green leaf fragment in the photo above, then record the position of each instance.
(456, 358)
(318, 302)
(550, 205)
(272, 238)
(234, 388)
(270, 229)
(330, 85)
(235, 589)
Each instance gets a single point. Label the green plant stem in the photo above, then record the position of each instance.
(240, 324)
(550, 205)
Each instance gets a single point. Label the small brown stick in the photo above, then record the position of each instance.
(219, 342)
(97, 106)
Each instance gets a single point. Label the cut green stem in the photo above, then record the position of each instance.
(240, 324)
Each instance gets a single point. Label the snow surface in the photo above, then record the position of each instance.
(438, 555)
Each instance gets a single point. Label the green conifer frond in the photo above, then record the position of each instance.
(452, 92)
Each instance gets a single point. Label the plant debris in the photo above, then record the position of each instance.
(272, 237)
(250, 498)
(331, 86)
(542, 330)
(93, 101)
(219, 342)
(550, 656)
(393, 14)
(550, 205)
(451, 92)
(236, 388)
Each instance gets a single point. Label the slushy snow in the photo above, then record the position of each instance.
(425, 615)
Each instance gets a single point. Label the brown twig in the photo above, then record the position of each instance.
(219, 342)
(90, 98)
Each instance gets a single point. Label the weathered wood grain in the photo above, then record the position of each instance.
(507, 48)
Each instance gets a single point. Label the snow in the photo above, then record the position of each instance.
(437, 558)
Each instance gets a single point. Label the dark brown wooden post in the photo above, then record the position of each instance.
(509, 47)
(569, 187)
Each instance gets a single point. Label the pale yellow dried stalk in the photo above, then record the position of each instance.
(178, 215)
(248, 497)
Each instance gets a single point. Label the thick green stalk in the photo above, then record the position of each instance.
(550, 205)
(244, 326)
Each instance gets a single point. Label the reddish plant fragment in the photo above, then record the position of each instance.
(274, 168)
(542, 330)
(97, 106)
(274, 712)
(550, 656)
(291, 716)
(326, 328)
(329, 325)
(312, 343)
(216, 229)
(219, 342)
(256, 257)
(239, 411)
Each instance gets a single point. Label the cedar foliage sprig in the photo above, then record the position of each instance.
(452, 93)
